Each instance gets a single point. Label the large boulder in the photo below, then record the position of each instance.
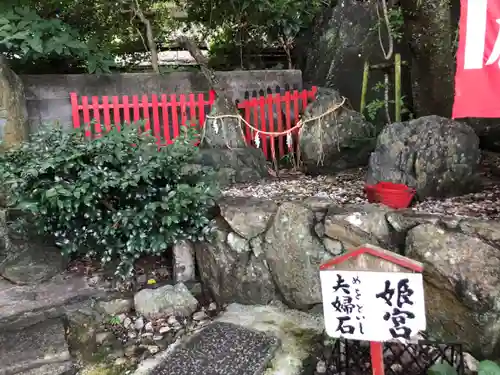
(245, 164)
(334, 48)
(234, 267)
(337, 140)
(294, 255)
(462, 287)
(435, 155)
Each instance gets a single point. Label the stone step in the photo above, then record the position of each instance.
(245, 340)
(40, 349)
(25, 305)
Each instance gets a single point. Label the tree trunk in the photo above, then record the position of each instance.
(429, 30)
(13, 112)
(220, 132)
(149, 36)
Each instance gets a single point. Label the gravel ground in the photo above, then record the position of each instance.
(347, 188)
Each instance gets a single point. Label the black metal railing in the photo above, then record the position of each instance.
(353, 357)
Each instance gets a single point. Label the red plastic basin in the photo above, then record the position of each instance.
(390, 194)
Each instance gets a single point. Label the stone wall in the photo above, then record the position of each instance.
(259, 251)
(47, 95)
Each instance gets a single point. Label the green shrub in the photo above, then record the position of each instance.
(117, 197)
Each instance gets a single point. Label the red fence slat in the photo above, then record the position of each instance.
(75, 110)
(116, 112)
(145, 113)
(97, 116)
(165, 123)
(106, 113)
(175, 119)
(166, 126)
(156, 118)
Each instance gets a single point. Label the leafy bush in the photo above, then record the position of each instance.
(116, 197)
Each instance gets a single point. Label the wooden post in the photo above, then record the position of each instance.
(377, 357)
(364, 87)
(397, 87)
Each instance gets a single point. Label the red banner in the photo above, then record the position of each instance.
(477, 79)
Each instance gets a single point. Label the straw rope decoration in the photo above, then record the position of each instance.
(287, 132)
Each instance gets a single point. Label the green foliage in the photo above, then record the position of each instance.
(373, 107)
(442, 369)
(485, 368)
(257, 22)
(26, 36)
(117, 197)
(488, 368)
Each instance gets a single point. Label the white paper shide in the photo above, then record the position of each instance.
(373, 306)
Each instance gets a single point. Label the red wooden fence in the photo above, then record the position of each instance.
(164, 114)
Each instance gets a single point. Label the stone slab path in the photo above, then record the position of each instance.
(244, 340)
(221, 349)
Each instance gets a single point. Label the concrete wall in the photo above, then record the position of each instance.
(47, 96)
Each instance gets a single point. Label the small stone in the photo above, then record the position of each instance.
(148, 327)
(117, 306)
(120, 361)
(212, 306)
(172, 320)
(153, 349)
(162, 272)
(164, 301)
(184, 264)
(180, 333)
(103, 337)
(164, 329)
(122, 317)
(132, 335)
(157, 337)
(147, 334)
(321, 367)
(471, 363)
(127, 322)
(116, 354)
(130, 350)
(141, 279)
(199, 315)
(139, 324)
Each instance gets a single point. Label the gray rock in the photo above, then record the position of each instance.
(436, 156)
(336, 46)
(294, 254)
(35, 349)
(104, 337)
(247, 216)
(462, 287)
(334, 247)
(351, 236)
(236, 273)
(486, 229)
(404, 220)
(24, 305)
(370, 218)
(245, 164)
(340, 140)
(27, 258)
(116, 306)
(183, 260)
(164, 301)
(139, 324)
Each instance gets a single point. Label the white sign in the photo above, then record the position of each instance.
(373, 306)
